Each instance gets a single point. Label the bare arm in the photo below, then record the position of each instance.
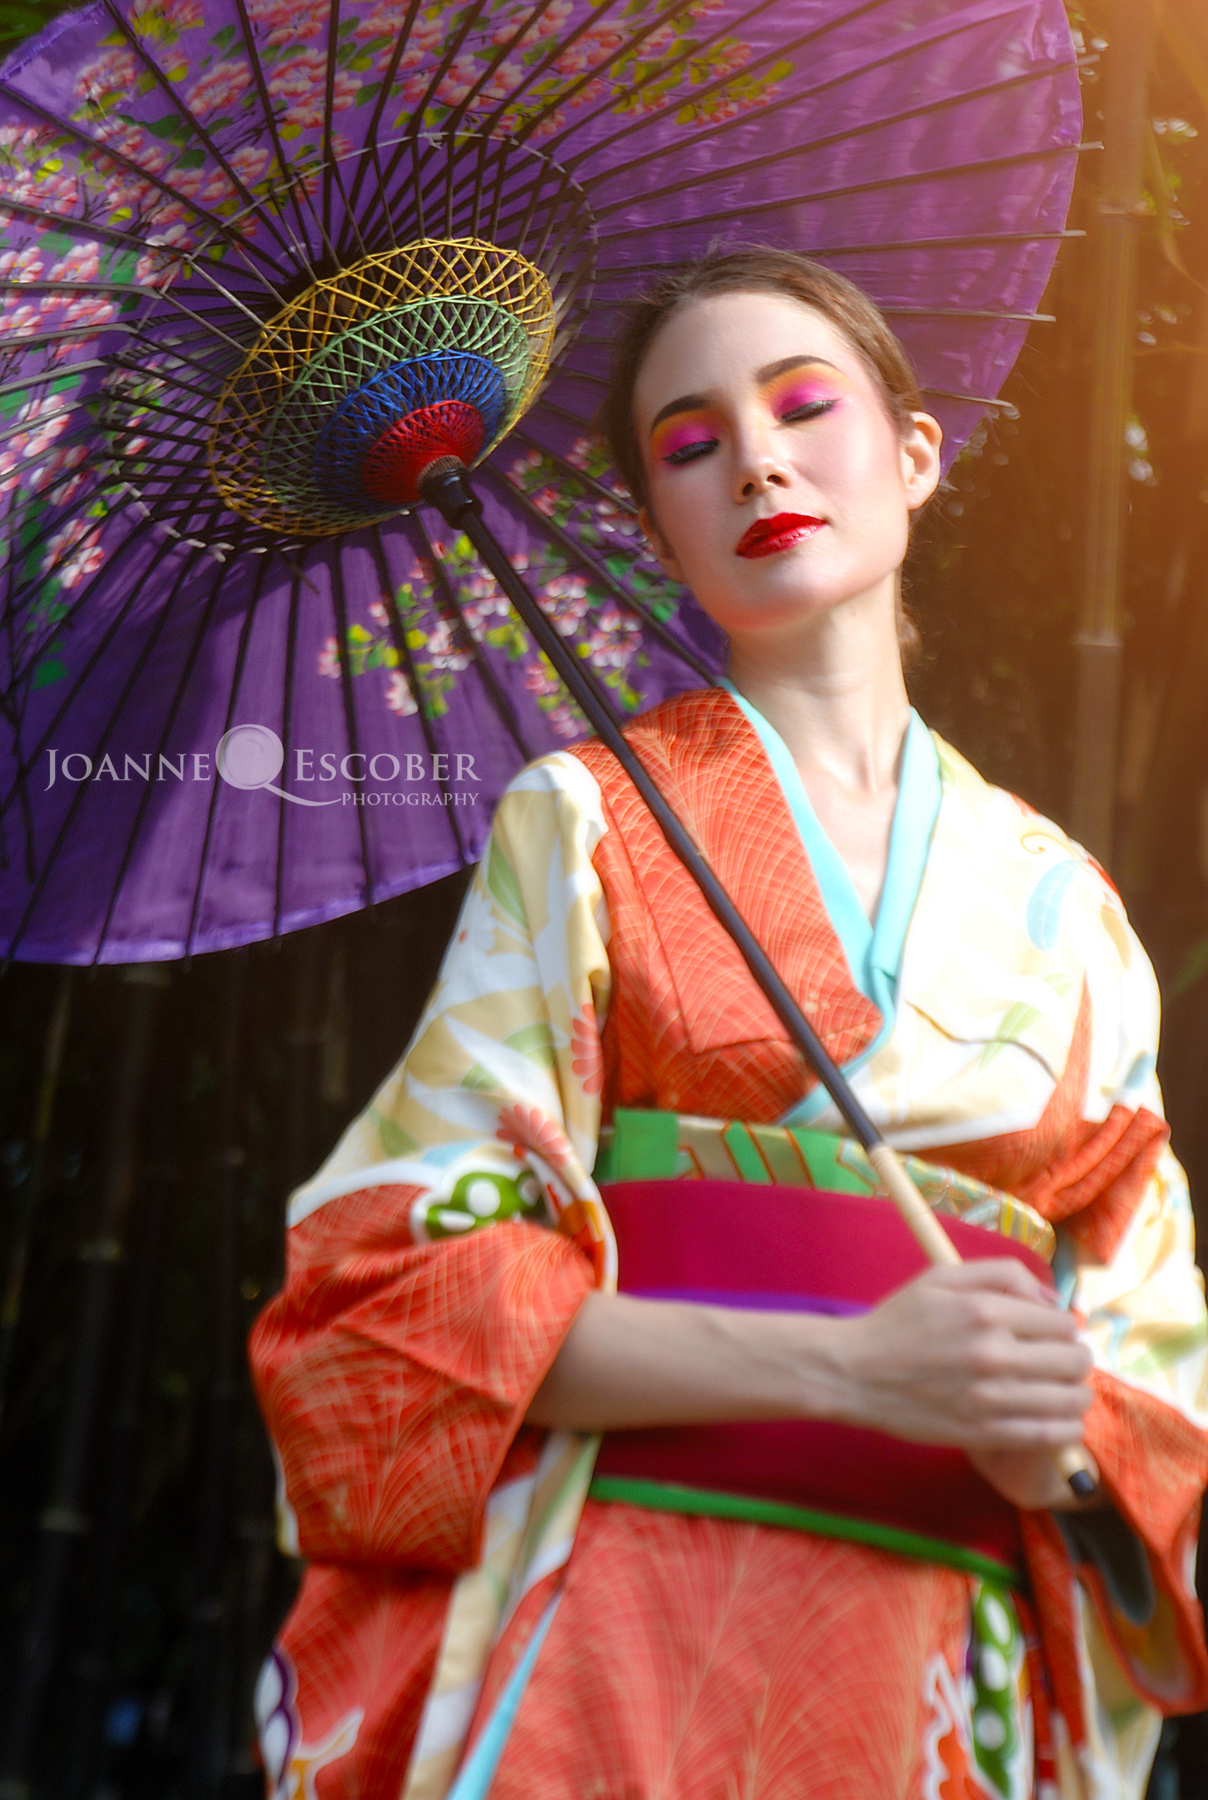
(978, 1356)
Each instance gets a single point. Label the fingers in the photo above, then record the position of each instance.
(1012, 1397)
(1003, 1293)
(1023, 1433)
(996, 1274)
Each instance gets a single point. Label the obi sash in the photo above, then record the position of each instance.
(773, 1247)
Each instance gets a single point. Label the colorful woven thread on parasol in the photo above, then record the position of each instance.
(248, 244)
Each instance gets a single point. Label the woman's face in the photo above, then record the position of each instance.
(778, 485)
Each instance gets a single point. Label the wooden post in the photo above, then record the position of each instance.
(1126, 125)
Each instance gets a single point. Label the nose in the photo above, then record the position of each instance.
(759, 460)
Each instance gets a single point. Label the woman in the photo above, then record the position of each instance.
(431, 1384)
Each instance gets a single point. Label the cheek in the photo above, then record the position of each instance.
(863, 470)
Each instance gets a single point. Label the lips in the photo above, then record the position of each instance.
(767, 536)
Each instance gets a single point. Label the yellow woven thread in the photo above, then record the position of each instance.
(428, 268)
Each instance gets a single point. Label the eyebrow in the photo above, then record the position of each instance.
(769, 372)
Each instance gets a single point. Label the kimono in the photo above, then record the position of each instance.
(466, 1587)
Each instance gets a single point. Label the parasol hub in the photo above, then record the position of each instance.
(434, 349)
(450, 403)
(395, 467)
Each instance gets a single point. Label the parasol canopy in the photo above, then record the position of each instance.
(249, 683)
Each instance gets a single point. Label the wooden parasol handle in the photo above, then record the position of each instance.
(938, 1247)
(445, 485)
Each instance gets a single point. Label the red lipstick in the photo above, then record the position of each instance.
(766, 536)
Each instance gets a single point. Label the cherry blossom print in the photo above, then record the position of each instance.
(399, 697)
(329, 660)
(249, 162)
(587, 1055)
(502, 82)
(386, 20)
(302, 83)
(40, 422)
(528, 1128)
(615, 638)
(81, 263)
(540, 679)
(107, 79)
(34, 174)
(552, 21)
(54, 474)
(22, 265)
(567, 601)
(550, 124)
(595, 46)
(220, 87)
(164, 20)
(159, 267)
(444, 650)
(290, 21)
(74, 552)
(18, 318)
(86, 309)
(462, 74)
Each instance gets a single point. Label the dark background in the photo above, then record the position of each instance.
(254, 1060)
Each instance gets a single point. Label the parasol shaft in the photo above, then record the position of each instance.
(445, 484)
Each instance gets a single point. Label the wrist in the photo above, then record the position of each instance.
(822, 1383)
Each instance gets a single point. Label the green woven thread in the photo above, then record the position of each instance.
(669, 1496)
(344, 364)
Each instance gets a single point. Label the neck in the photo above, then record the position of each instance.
(833, 689)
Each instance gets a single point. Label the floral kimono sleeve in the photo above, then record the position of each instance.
(396, 1366)
(1126, 1264)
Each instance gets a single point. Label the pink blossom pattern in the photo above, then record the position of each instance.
(81, 263)
(329, 660)
(566, 600)
(587, 1055)
(286, 21)
(528, 1128)
(74, 552)
(220, 87)
(301, 82)
(614, 639)
(108, 78)
(595, 46)
(166, 19)
(22, 265)
(399, 697)
(40, 422)
(552, 21)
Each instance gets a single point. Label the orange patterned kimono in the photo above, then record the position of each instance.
(699, 1658)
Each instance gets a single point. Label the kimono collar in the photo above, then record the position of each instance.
(873, 949)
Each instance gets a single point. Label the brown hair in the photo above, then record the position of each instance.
(759, 271)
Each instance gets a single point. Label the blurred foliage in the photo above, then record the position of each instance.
(21, 18)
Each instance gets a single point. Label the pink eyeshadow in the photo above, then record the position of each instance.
(678, 433)
(795, 389)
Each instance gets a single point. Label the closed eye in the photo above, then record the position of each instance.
(691, 452)
(810, 409)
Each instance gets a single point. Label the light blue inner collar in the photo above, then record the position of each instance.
(873, 950)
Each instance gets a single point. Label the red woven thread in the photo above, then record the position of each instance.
(394, 464)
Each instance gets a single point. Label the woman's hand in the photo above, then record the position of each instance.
(979, 1356)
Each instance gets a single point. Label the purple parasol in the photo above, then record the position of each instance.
(240, 696)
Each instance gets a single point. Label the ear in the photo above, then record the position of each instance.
(653, 534)
(921, 459)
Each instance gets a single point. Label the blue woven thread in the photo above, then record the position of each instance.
(362, 417)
